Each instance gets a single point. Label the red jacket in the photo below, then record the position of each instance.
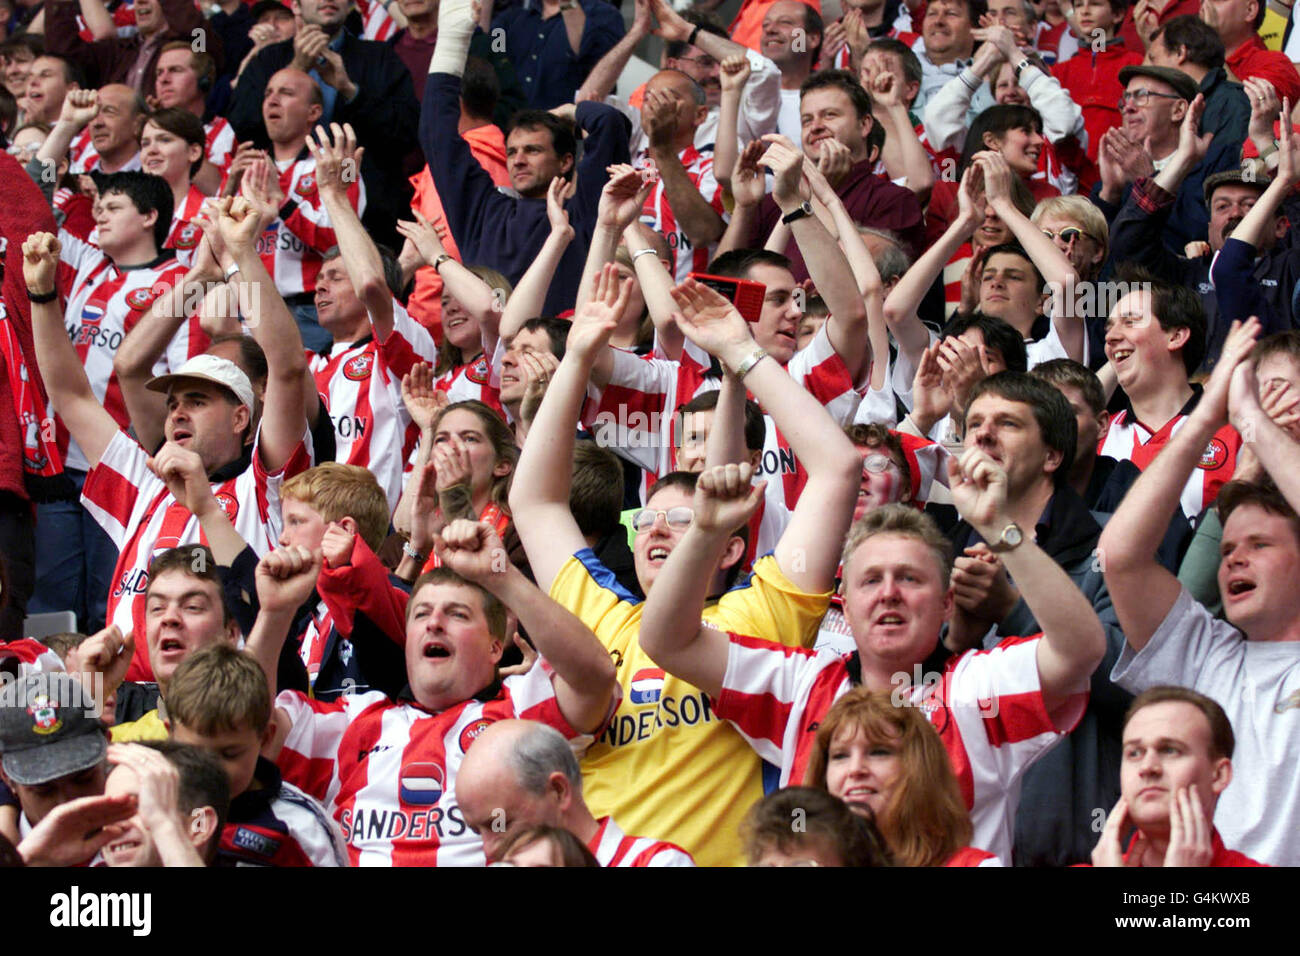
(23, 212)
(1092, 80)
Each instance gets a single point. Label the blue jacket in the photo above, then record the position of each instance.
(506, 232)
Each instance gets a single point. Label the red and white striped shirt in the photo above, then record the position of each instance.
(387, 769)
(1130, 440)
(137, 511)
(103, 304)
(658, 214)
(291, 249)
(185, 236)
(84, 158)
(221, 143)
(987, 707)
(480, 380)
(363, 395)
(635, 413)
(612, 847)
(376, 24)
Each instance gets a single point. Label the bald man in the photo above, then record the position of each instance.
(521, 773)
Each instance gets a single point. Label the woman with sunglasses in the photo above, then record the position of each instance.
(888, 764)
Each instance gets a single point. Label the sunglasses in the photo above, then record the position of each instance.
(1068, 235)
(678, 519)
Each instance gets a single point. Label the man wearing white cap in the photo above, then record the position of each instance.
(209, 413)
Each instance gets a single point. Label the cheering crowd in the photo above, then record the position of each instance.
(870, 439)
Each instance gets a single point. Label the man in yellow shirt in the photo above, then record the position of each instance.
(666, 765)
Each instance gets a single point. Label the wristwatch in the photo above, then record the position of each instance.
(1024, 62)
(437, 262)
(1010, 539)
(804, 209)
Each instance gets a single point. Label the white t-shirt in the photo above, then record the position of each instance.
(1258, 684)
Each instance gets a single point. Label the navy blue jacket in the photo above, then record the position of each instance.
(506, 232)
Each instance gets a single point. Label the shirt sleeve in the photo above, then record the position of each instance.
(769, 606)
(996, 699)
(1188, 642)
(769, 689)
(309, 758)
(119, 488)
(532, 697)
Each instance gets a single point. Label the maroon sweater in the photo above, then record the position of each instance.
(870, 200)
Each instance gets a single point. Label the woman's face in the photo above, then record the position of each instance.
(537, 853)
(861, 772)
(166, 154)
(1006, 90)
(460, 328)
(463, 430)
(1021, 148)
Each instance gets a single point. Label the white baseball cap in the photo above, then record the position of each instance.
(209, 368)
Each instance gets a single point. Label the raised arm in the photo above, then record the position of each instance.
(657, 290)
(945, 112)
(528, 299)
(903, 302)
(866, 278)
(600, 81)
(903, 154)
(182, 471)
(697, 218)
(284, 419)
(726, 442)
(79, 108)
(733, 74)
(671, 632)
(621, 201)
(540, 505)
(748, 185)
(1073, 641)
(827, 266)
(1273, 444)
(1142, 590)
(285, 577)
(584, 671)
(424, 246)
(1056, 270)
(1261, 215)
(147, 342)
(65, 378)
(338, 163)
(808, 552)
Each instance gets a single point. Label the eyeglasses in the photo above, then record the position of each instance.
(876, 464)
(704, 62)
(679, 519)
(1140, 98)
(1068, 234)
